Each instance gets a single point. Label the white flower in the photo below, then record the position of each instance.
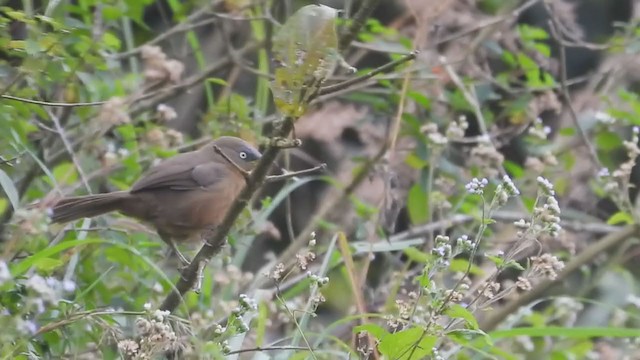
(546, 185)
(476, 186)
(604, 118)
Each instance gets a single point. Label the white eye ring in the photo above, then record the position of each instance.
(243, 155)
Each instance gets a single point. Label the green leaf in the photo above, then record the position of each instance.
(305, 50)
(513, 264)
(499, 261)
(407, 344)
(607, 141)
(47, 264)
(374, 329)
(415, 161)
(532, 32)
(416, 255)
(620, 217)
(567, 131)
(111, 41)
(417, 205)
(65, 173)
(10, 189)
(460, 312)
(218, 81)
(461, 265)
(420, 98)
(424, 280)
(514, 169)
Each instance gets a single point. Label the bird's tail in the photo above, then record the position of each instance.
(78, 207)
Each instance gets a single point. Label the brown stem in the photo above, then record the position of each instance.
(358, 21)
(585, 257)
(289, 175)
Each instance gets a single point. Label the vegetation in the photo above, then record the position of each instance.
(454, 188)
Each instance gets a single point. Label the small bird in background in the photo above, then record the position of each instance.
(180, 197)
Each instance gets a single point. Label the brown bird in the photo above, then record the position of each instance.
(180, 197)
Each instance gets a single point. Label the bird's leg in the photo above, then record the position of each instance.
(197, 287)
(172, 245)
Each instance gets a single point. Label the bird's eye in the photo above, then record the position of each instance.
(243, 155)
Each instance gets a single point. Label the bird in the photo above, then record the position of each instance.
(180, 197)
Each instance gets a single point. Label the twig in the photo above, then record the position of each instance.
(345, 84)
(269, 348)
(565, 93)
(15, 160)
(60, 130)
(472, 98)
(459, 219)
(585, 257)
(358, 21)
(511, 15)
(289, 175)
(53, 104)
(355, 281)
(179, 28)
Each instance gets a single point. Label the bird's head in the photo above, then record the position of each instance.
(239, 151)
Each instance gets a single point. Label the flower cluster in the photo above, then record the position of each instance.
(154, 336)
(624, 171)
(476, 186)
(549, 213)
(158, 67)
(505, 190)
(442, 250)
(539, 130)
(464, 244)
(29, 222)
(319, 280)
(457, 129)
(546, 264)
(245, 304)
(434, 136)
(164, 138)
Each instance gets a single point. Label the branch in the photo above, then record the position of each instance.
(358, 21)
(553, 26)
(289, 175)
(179, 28)
(345, 84)
(53, 104)
(270, 348)
(585, 257)
(11, 161)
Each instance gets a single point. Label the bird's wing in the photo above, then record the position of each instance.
(182, 177)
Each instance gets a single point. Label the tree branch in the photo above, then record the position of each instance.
(358, 21)
(585, 257)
